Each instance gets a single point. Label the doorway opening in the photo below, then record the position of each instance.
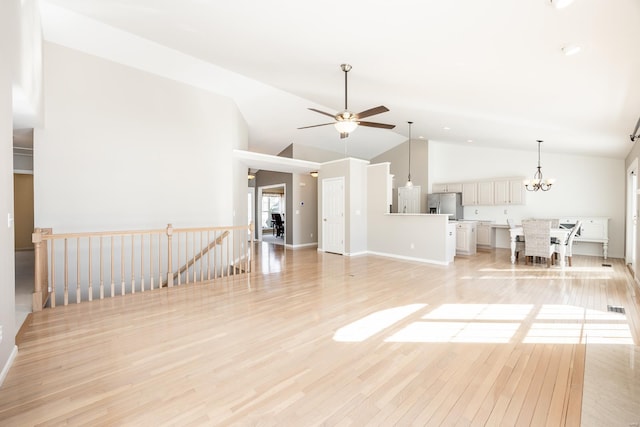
(270, 220)
(23, 223)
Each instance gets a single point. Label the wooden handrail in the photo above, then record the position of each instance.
(133, 261)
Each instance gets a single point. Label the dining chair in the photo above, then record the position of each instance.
(519, 239)
(555, 223)
(568, 243)
(537, 240)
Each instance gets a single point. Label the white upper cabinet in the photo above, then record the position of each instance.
(446, 188)
(469, 193)
(485, 193)
(502, 191)
(509, 192)
(477, 193)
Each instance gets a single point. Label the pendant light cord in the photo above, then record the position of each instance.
(410, 123)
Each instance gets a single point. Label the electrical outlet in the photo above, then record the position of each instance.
(311, 235)
(0, 333)
(412, 246)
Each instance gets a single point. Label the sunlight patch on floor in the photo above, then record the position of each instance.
(494, 323)
(566, 312)
(461, 332)
(480, 312)
(376, 322)
(554, 269)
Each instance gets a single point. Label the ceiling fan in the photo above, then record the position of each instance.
(345, 121)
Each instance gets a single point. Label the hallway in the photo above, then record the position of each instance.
(24, 285)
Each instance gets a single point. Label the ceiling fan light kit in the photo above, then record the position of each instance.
(347, 122)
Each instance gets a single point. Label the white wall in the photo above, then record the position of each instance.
(125, 149)
(313, 154)
(304, 201)
(27, 85)
(356, 206)
(585, 186)
(8, 52)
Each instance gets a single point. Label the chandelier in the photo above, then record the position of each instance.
(537, 183)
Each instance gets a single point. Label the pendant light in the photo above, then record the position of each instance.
(409, 183)
(537, 183)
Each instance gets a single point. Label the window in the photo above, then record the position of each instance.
(271, 203)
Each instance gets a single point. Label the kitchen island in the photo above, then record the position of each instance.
(417, 237)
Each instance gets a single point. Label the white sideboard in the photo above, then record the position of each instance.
(593, 229)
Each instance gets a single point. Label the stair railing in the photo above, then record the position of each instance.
(96, 265)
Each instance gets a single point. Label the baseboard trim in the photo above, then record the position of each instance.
(386, 255)
(7, 366)
(304, 245)
(357, 253)
(406, 258)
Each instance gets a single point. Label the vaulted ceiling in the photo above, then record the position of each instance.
(487, 73)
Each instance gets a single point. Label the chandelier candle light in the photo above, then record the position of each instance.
(409, 183)
(538, 183)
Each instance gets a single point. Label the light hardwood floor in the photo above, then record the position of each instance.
(320, 339)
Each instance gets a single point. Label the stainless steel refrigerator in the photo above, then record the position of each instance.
(445, 203)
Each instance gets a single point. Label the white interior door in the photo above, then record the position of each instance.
(333, 215)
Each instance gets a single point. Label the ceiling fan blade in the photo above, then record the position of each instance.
(315, 126)
(376, 125)
(372, 112)
(322, 112)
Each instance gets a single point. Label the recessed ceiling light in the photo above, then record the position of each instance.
(421, 137)
(560, 4)
(469, 140)
(571, 49)
(446, 128)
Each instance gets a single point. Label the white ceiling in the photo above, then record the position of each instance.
(491, 71)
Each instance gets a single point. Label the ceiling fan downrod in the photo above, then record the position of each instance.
(346, 68)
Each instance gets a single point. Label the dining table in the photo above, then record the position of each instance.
(560, 234)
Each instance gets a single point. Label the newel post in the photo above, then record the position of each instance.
(169, 255)
(36, 300)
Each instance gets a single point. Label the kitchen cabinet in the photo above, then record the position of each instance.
(409, 199)
(486, 234)
(446, 188)
(466, 240)
(451, 241)
(509, 192)
(477, 193)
